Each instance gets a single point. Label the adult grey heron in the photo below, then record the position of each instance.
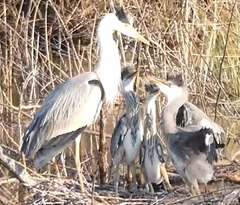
(152, 158)
(76, 104)
(191, 146)
(128, 132)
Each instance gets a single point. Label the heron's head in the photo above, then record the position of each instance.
(152, 90)
(121, 22)
(128, 76)
(172, 87)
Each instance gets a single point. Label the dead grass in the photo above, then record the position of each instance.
(43, 43)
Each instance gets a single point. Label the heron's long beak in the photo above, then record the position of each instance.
(159, 82)
(133, 74)
(130, 31)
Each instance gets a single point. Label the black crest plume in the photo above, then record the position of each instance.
(151, 88)
(121, 15)
(176, 79)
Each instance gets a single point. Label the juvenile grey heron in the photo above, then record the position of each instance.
(152, 158)
(76, 104)
(191, 146)
(128, 132)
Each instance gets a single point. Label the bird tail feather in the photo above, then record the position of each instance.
(54, 147)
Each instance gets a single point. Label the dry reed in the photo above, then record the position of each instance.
(45, 42)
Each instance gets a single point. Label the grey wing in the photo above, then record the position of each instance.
(142, 152)
(73, 105)
(159, 149)
(119, 132)
(195, 116)
(188, 144)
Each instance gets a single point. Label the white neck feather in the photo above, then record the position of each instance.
(126, 87)
(109, 67)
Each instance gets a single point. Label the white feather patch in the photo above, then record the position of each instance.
(205, 123)
(208, 139)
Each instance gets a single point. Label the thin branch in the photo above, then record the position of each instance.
(19, 171)
(222, 60)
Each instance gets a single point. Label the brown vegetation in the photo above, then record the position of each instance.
(45, 42)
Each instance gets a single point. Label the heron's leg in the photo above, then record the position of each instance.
(192, 190)
(165, 175)
(147, 185)
(133, 171)
(110, 173)
(117, 161)
(206, 187)
(129, 173)
(151, 187)
(56, 167)
(196, 187)
(63, 155)
(116, 176)
(78, 163)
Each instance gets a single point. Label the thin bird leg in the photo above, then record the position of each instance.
(133, 171)
(56, 167)
(78, 163)
(150, 186)
(206, 188)
(192, 190)
(62, 157)
(196, 187)
(110, 173)
(143, 173)
(165, 175)
(120, 154)
(116, 176)
(147, 187)
(129, 175)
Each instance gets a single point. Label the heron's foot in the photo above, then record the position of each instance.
(147, 191)
(133, 188)
(168, 187)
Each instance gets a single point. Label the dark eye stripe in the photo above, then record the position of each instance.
(127, 72)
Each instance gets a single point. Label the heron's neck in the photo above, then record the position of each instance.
(151, 115)
(127, 87)
(132, 104)
(131, 100)
(169, 114)
(109, 67)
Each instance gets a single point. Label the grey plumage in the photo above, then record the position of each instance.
(47, 135)
(151, 155)
(76, 104)
(127, 134)
(191, 147)
(193, 116)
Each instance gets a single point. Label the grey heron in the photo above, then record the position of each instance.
(152, 157)
(191, 145)
(76, 103)
(128, 132)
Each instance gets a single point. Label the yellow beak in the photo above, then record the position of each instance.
(130, 31)
(134, 74)
(159, 82)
